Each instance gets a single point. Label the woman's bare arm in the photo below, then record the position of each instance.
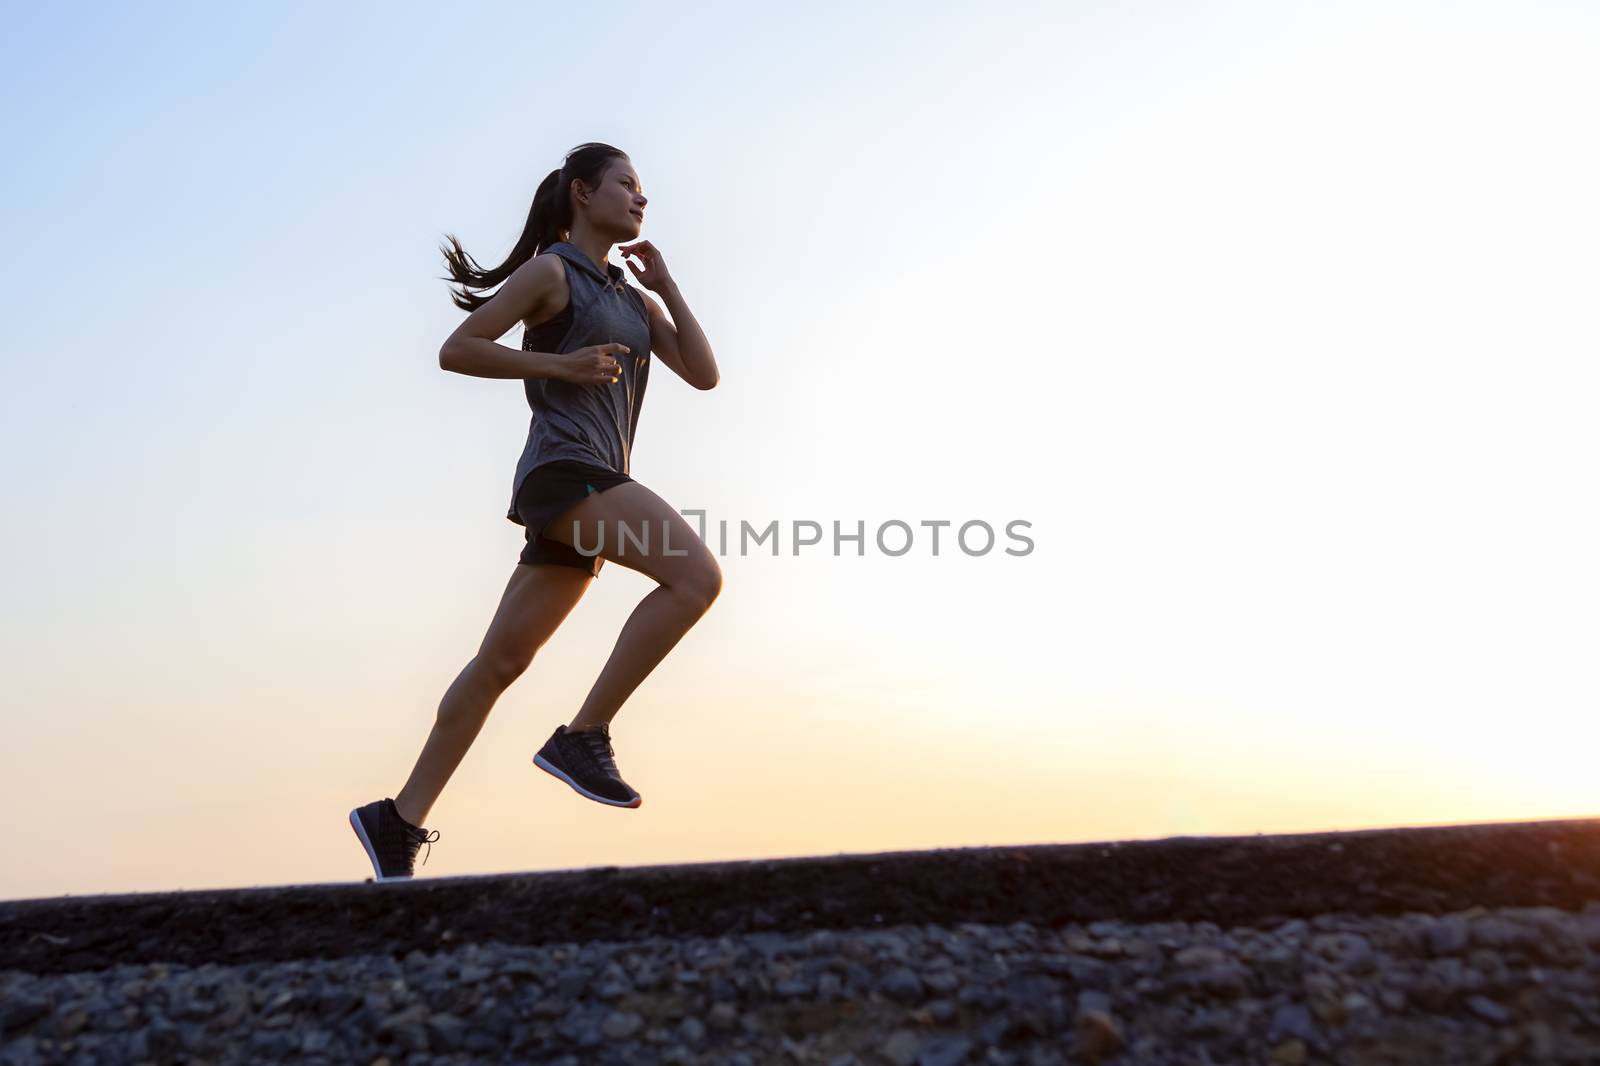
(699, 365)
(680, 341)
(535, 286)
(695, 366)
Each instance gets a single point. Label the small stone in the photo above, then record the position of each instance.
(1488, 1009)
(1093, 999)
(1448, 936)
(1292, 1020)
(793, 988)
(1200, 955)
(902, 984)
(1098, 1036)
(1290, 1053)
(620, 1025)
(72, 1023)
(944, 1051)
(981, 996)
(315, 1042)
(901, 1047)
(550, 1007)
(447, 1031)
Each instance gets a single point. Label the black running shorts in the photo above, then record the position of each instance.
(547, 493)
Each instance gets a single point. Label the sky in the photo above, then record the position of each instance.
(1273, 322)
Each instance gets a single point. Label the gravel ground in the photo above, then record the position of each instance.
(1502, 985)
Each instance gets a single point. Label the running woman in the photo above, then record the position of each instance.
(587, 340)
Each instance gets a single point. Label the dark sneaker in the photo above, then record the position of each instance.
(390, 840)
(585, 761)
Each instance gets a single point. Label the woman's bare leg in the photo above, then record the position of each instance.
(536, 601)
(688, 584)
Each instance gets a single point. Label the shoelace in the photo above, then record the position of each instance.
(599, 744)
(414, 842)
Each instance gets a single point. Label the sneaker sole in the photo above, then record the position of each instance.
(372, 853)
(550, 768)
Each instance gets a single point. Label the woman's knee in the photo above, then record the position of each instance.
(498, 668)
(702, 583)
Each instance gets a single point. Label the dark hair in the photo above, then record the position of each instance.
(549, 219)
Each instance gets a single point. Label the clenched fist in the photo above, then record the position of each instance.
(593, 365)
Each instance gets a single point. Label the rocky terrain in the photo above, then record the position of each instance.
(1447, 945)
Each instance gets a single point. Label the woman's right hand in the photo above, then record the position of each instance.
(594, 365)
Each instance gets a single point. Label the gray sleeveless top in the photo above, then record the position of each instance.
(589, 423)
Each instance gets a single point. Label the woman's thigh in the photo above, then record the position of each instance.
(536, 601)
(634, 527)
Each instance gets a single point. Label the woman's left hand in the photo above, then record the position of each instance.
(654, 276)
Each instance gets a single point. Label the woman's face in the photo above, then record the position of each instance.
(616, 205)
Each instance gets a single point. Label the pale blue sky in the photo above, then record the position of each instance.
(1275, 321)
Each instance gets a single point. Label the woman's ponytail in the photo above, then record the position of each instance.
(549, 220)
